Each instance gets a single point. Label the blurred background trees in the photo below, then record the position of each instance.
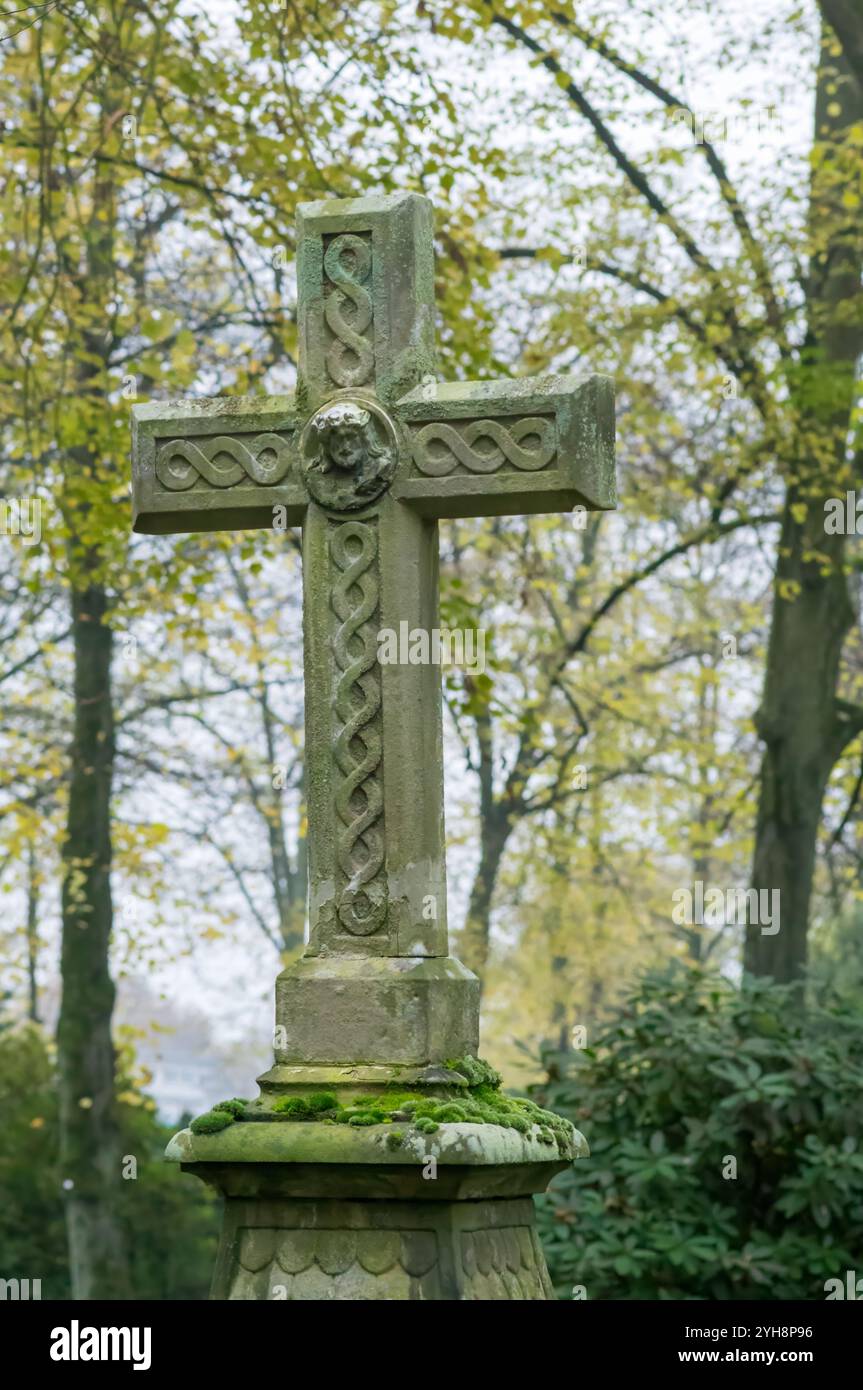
(671, 693)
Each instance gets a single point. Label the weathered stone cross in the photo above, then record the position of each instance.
(367, 455)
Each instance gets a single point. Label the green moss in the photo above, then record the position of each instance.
(212, 1122)
(450, 1114)
(475, 1071)
(320, 1101)
(479, 1102)
(234, 1107)
(293, 1106)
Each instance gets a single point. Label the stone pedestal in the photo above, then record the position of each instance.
(319, 1211)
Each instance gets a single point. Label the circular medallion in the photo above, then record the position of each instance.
(349, 451)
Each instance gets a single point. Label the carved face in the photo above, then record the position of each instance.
(349, 450)
(346, 447)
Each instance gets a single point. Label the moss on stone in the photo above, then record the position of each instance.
(295, 1107)
(212, 1122)
(480, 1102)
(320, 1101)
(234, 1107)
(475, 1071)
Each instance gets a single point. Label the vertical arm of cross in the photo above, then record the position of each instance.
(377, 884)
(365, 296)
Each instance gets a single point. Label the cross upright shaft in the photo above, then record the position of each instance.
(367, 454)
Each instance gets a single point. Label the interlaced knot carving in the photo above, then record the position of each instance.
(347, 264)
(361, 903)
(459, 446)
(222, 461)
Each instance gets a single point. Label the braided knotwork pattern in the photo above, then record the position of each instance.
(361, 902)
(459, 445)
(222, 461)
(347, 265)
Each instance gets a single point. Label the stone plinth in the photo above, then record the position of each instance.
(391, 1011)
(317, 1211)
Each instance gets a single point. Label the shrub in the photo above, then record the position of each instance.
(695, 1081)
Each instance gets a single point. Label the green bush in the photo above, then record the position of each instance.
(692, 1077)
(170, 1223)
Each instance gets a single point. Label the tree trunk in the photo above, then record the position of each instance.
(803, 736)
(495, 826)
(90, 1157)
(475, 941)
(32, 934)
(803, 724)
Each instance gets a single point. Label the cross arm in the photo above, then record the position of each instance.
(222, 463)
(501, 448)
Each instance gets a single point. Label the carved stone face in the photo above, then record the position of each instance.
(346, 447)
(349, 450)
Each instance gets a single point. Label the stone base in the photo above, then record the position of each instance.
(390, 1011)
(364, 1251)
(318, 1211)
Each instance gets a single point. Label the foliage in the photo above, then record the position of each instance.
(171, 1225)
(692, 1077)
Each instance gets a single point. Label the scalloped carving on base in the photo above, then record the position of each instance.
(380, 1251)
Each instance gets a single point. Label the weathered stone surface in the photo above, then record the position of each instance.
(365, 286)
(350, 1249)
(487, 448)
(489, 1149)
(338, 1010)
(202, 465)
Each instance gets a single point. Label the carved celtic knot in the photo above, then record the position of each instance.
(222, 461)
(347, 264)
(457, 444)
(361, 903)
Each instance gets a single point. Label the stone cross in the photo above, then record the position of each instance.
(367, 455)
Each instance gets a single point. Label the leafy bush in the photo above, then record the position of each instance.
(691, 1078)
(170, 1221)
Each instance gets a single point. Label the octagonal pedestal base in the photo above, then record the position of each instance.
(317, 1211)
(324, 1249)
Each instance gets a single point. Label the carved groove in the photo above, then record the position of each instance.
(361, 904)
(223, 461)
(347, 265)
(457, 445)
